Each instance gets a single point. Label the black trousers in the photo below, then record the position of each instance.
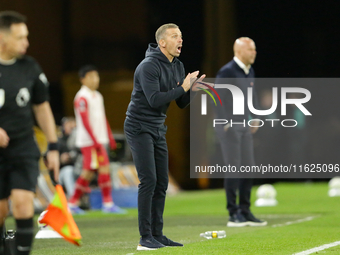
(150, 154)
(237, 149)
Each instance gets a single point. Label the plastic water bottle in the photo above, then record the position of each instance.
(213, 234)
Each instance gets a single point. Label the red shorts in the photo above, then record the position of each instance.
(94, 158)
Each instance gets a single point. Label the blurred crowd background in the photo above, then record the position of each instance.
(293, 39)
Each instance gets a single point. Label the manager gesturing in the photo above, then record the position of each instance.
(158, 80)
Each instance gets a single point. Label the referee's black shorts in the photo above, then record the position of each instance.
(19, 167)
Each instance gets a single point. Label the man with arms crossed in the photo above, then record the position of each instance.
(23, 87)
(236, 141)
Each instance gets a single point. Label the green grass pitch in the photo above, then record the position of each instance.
(304, 218)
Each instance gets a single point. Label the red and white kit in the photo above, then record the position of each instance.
(93, 129)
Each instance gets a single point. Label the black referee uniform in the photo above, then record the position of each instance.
(22, 84)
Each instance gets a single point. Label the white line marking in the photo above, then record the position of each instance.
(320, 248)
(280, 216)
(294, 222)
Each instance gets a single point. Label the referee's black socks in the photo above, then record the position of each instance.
(2, 239)
(24, 236)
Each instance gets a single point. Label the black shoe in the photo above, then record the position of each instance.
(252, 221)
(166, 241)
(237, 220)
(149, 243)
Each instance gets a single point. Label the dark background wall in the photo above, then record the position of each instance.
(293, 38)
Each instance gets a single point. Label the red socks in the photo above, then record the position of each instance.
(81, 186)
(104, 182)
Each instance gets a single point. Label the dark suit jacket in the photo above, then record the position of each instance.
(231, 73)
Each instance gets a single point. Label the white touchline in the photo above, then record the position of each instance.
(294, 222)
(280, 216)
(320, 248)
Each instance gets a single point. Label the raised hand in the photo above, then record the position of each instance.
(189, 80)
(200, 84)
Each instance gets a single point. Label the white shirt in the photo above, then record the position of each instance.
(7, 62)
(242, 66)
(91, 103)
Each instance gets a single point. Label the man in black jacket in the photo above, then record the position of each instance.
(158, 80)
(236, 140)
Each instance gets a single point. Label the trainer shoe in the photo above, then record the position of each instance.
(166, 241)
(75, 209)
(237, 220)
(149, 243)
(253, 221)
(113, 209)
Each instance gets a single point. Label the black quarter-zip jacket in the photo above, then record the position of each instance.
(157, 82)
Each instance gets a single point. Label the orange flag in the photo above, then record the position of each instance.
(60, 219)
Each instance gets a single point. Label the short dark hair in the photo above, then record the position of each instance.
(7, 18)
(162, 30)
(85, 69)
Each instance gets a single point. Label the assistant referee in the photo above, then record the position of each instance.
(23, 87)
